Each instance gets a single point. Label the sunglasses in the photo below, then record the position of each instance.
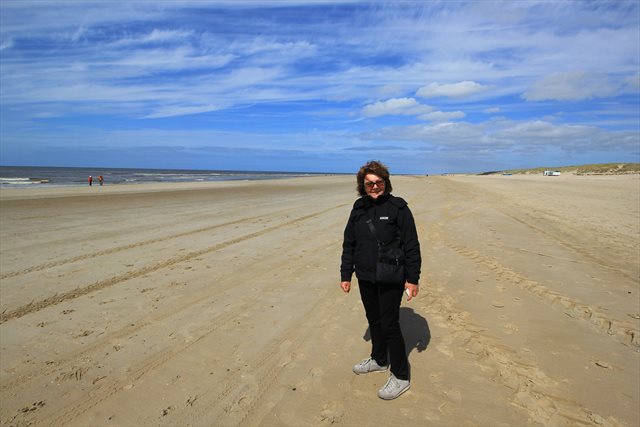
(371, 184)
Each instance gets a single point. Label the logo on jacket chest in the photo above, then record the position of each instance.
(384, 218)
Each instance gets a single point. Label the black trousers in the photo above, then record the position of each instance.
(382, 305)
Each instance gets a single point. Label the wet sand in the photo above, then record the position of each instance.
(218, 304)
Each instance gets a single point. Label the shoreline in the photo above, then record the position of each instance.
(46, 190)
(141, 187)
(25, 177)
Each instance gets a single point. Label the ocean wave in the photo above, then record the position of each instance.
(13, 179)
(23, 181)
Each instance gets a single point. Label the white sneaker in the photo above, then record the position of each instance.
(393, 388)
(369, 365)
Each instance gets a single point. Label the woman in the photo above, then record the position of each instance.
(394, 225)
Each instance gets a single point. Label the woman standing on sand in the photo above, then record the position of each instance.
(393, 224)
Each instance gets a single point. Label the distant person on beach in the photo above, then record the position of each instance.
(90, 180)
(100, 180)
(379, 219)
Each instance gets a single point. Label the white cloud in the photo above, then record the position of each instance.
(6, 43)
(396, 106)
(543, 132)
(442, 116)
(454, 90)
(181, 110)
(179, 58)
(155, 36)
(79, 33)
(491, 110)
(260, 45)
(165, 35)
(509, 135)
(571, 86)
(390, 90)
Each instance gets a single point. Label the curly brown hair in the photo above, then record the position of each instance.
(377, 168)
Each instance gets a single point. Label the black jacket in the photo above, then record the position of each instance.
(392, 219)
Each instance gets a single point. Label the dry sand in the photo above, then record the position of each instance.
(218, 304)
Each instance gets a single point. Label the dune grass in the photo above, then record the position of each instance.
(592, 169)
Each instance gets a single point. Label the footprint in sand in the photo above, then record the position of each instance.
(453, 395)
(444, 349)
(33, 407)
(313, 380)
(332, 413)
(510, 328)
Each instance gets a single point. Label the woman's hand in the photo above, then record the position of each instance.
(346, 286)
(413, 290)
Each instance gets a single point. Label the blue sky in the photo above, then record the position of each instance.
(426, 87)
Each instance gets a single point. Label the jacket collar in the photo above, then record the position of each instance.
(366, 202)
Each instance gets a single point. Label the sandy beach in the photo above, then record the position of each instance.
(202, 304)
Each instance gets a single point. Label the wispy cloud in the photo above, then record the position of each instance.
(396, 106)
(179, 110)
(507, 135)
(6, 43)
(442, 116)
(454, 90)
(572, 86)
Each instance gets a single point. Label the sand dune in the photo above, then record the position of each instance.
(218, 304)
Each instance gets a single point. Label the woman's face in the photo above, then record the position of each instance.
(373, 185)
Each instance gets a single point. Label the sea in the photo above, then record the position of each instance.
(35, 176)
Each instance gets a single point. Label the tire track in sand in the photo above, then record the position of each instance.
(116, 249)
(241, 400)
(527, 215)
(102, 284)
(623, 331)
(60, 365)
(109, 388)
(232, 400)
(535, 392)
(575, 248)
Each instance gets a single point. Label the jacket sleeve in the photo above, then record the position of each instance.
(348, 248)
(409, 238)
